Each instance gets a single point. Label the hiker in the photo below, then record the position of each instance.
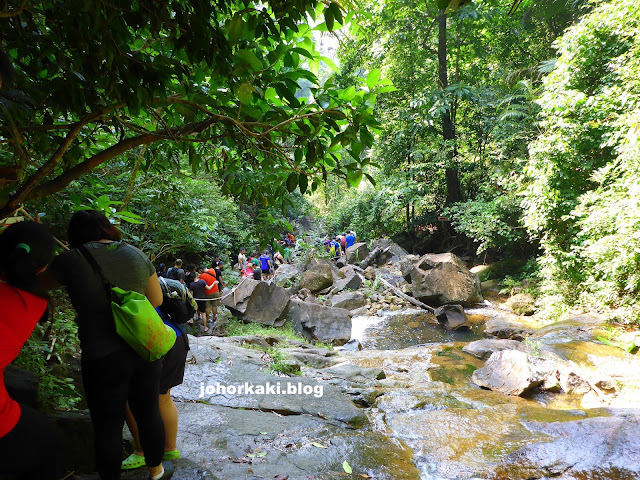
(197, 288)
(288, 256)
(242, 261)
(28, 440)
(218, 266)
(112, 372)
(190, 275)
(176, 272)
(248, 270)
(343, 241)
(350, 239)
(212, 293)
(162, 271)
(265, 265)
(291, 238)
(177, 307)
(327, 243)
(334, 248)
(278, 259)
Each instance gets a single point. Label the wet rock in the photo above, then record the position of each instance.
(501, 328)
(593, 448)
(317, 278)
(258, 302)
(320, 323)
(452, 317)
(513, 372)
(252, 444)
(485, 347)
(263, 342)
(352, 345)
(355, 373)
(361, 311)
(348, 300)
(522, 304)
(357, 252)
(351, 282)
(286, 274)
(442, 278)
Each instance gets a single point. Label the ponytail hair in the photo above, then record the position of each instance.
(25, 248)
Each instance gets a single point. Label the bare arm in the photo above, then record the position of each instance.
(153, 291)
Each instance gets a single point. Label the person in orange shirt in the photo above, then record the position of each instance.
(212, 292)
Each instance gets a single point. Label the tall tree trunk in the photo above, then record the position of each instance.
(448, 123)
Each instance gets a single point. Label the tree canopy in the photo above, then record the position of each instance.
(216, 81)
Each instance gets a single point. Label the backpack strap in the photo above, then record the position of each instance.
(96, 268)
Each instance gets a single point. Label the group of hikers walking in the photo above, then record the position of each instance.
(337, 246)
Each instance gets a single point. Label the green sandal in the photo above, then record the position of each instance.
(132, 462)
(171, 455)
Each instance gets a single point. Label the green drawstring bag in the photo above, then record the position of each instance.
(136, 321)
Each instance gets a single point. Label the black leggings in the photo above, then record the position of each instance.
(109, 382)
(30, 450)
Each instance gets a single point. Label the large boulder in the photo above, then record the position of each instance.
(319, 323)
(390, 251)
(348, 300)
(317, 278)
(258, 302)
(286, 274)
(522, 304)
(592, 448)
(442, 278)
(357, 253)
(513, 372)
(452, 317)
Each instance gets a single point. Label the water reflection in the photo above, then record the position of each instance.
(407, 328)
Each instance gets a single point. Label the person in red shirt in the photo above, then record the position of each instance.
(212, 291)
(26, 249)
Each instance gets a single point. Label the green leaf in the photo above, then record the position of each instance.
(302, 183)
(355, 178)
(373, 77)
(329, 19)
(292, 182)
(250, 58)
(244, 92)
(346, 467)
(234, 28)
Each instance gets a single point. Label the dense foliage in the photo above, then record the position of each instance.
(583, 196)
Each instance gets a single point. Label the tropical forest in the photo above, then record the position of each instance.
(421, 220)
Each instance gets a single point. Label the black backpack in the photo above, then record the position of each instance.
(177, 301)
(173, 273)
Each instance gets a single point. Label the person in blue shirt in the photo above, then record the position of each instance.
(350, 239)
(266, 266)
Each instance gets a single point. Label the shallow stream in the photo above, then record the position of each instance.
(456, 430)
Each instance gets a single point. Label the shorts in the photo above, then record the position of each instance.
(214, 298)
(266, 272)
(173, 364)
(202, 304)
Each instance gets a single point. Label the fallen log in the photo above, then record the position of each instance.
(446, 315)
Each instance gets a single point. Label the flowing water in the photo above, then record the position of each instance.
(456, 430)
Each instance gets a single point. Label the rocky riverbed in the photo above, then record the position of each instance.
(504, 397)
